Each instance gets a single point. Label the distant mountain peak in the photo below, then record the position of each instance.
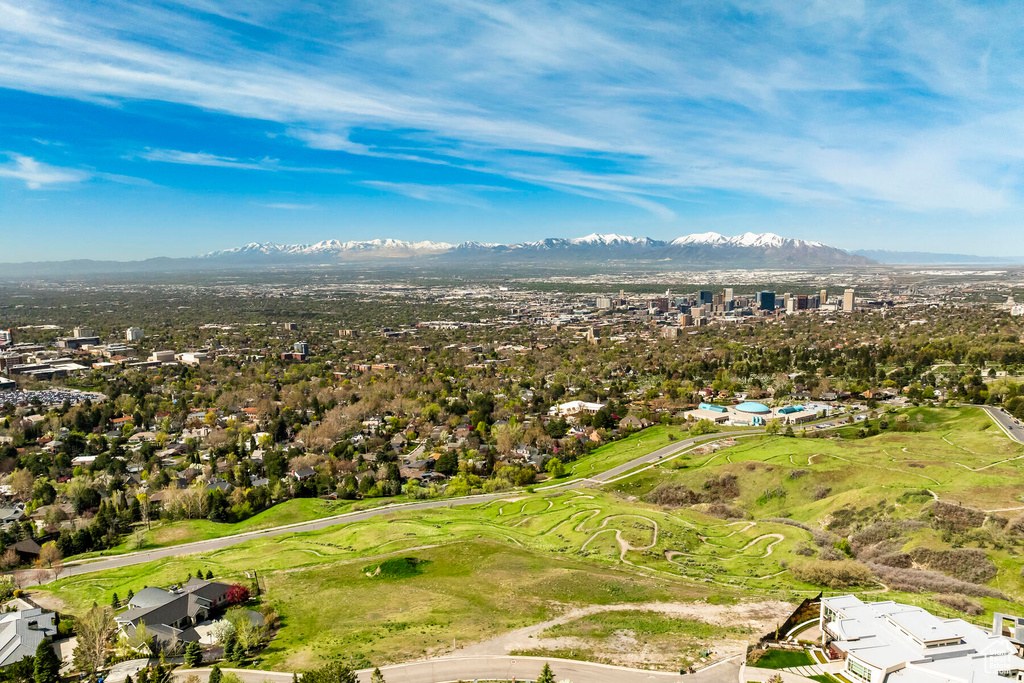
(750, 249)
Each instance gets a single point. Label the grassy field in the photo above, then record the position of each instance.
(528, 556)
(620, 452)
(287, 512)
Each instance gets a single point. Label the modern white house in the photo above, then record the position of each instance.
(888, 642)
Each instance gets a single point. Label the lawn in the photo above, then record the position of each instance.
(287, 512)
(783, 659)
(622, 451)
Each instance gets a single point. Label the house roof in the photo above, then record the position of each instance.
(21, 632)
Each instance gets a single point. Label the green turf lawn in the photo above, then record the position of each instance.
(783, 659)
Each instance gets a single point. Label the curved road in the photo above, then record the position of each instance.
(129, 559)
(447, 670)
(1005, 422)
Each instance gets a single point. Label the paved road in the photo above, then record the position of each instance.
(1007, 423)
(199, 547)
(447, 670)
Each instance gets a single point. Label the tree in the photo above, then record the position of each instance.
(377, 677)
(193, 655)
(215, 674)
(555, 468)
(47, 664)
(703, 427)
(9, 559)
(546, 675)
(447, 464)
(237, 593)
(94, 630)
(773, 427)
(48, 554)
(330, 673)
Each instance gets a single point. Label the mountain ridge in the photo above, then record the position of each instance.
(709, 248)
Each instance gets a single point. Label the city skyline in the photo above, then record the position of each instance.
(172, 129)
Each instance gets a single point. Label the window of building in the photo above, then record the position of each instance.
(857, 669)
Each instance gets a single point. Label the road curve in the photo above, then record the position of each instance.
(199, 547)
(502, 668)
(1009, 425)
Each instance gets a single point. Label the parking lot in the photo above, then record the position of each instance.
(47, 397)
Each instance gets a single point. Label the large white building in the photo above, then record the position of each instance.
(894, 643)
(754, 414)
(574, 409)
(133, 334)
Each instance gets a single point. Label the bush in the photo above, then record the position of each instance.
(960, 604)
(237, 593)
(841, 574)
(956, 517)
(967, 564)
(923, 580)
(330, 673)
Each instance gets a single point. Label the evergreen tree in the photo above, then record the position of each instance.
(546, 675)
(47, 664)
(377, 677)
(193, 655)
(115, 601)
(215, 674)
(131, 594)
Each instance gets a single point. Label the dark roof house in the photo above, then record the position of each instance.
(170, 615)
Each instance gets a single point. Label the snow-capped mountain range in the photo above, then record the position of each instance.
(708, 248)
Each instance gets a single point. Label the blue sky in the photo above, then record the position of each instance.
(139, 129)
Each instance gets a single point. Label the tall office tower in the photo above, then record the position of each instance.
(728, 294)
(824, 297)
(706, 297)
(766, 301)
(848, 300)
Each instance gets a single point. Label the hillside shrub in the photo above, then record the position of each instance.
(924, 580)
(967, 564)
(841, 574)
(960, 604)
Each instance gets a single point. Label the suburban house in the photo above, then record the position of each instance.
(21, 632)
(9, 514)
(171, 615)
(888, 641)
(633, 422)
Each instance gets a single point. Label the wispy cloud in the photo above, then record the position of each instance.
(465, 195)
(173, 156)
(798, 101)
(37, 175)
